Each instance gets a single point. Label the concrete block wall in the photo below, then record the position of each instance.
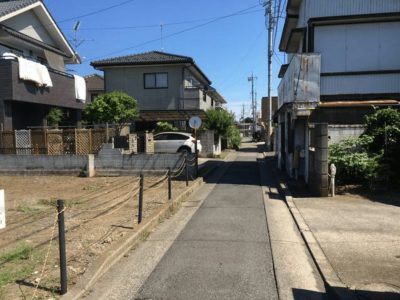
(209, 147)
(336, 133)
(43, 164)
(318, 172)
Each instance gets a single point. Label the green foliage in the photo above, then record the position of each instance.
(223, 124)
(116, 107)
(165, 126)
(371, 158)
(54, 116)
(219, 121)
(234, 137)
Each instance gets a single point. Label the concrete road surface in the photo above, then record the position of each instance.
(224, 250)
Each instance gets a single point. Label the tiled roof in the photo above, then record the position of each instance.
(153, 57)
(7, 7)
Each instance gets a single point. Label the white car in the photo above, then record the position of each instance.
(172, 142)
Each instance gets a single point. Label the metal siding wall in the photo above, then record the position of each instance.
(358, 47)
(360, 84)
(325, 8)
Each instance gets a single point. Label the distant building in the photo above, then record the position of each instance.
(265, 112)
(94, 86)
(168, 87)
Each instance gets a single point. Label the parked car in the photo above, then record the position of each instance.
(172, 142)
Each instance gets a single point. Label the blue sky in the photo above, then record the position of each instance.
(228, 50)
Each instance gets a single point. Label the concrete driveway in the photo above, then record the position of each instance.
(361, 240)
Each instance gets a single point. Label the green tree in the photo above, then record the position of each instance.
(218, 120)
(54, 116)
(223, 124)
(116, 107)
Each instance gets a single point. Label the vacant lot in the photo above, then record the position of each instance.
(99, 211)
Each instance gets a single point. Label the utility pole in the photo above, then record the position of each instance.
(243, 111)
(253, 78)
(268, 12)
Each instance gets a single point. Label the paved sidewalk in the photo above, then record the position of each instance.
(224, 251)
(360, 239)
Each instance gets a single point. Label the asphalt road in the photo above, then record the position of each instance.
(224, 250)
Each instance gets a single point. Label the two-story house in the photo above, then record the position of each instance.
(343, 64)
(168, 87)
(33, 54)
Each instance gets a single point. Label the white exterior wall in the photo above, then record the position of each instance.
(358, 47)
(337, 133)
(326, 8)
(27, 23)
(360, 84)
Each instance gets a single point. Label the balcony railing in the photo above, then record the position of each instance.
(13, 88)
(301, 82)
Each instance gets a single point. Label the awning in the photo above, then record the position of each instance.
(169, 115)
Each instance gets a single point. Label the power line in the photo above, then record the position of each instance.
(177, 33)
(158, 25)
(96, 11)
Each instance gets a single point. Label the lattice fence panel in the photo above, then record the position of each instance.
(38, 138)
(7, 142)
(54, 142)
(23, 142)
(69, 142)
(98, 138)
(83, 141)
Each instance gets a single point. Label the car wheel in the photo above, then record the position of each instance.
(184, 150)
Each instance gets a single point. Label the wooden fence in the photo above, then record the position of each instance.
(54, 141)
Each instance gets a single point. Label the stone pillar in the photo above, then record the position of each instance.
(320, 181)
(133, 143)
(148, 142)
(90, 166)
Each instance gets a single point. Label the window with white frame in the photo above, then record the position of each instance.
(156, 80)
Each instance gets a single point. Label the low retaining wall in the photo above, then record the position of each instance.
(42, 164)
(109, 162)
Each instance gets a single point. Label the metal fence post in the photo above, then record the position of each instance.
(61, 243)
(140, 213)
(186, 169)
(169, 184)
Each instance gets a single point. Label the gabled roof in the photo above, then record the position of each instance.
(7, 7)
(10, 9)
(146, 59)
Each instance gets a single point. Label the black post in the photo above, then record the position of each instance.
(186, 169)
(169, 184)
(140, 199)
(61, 243)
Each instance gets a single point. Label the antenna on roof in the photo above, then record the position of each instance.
(162, 36)
(77, 42)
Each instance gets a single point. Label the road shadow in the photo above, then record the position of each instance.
(384, 197)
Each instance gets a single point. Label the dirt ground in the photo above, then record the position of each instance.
(99, 211)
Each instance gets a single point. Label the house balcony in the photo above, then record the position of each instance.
(191, 98)
(300, 85)
(61, 94)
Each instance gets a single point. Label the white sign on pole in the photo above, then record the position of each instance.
(2, 210)
(195, 122)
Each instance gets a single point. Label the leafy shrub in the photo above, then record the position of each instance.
(353, 162)
(234, 137)
(165, 126)
(54, 116)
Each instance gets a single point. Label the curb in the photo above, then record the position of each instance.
(334, 286)
(113, 255)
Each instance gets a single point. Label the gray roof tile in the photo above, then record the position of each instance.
(147, 58)
(7, 7)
